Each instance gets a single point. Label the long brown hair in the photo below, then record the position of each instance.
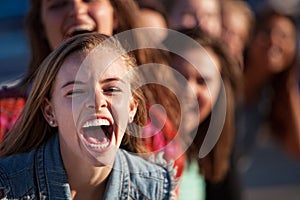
(215, 165)
(127, 14)
(31, 128)
(282, 118)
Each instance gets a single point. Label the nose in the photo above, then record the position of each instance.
(193, 86)
(99, 101)
(78, 7)
(192, 92)
(189, 21)
(273, 37)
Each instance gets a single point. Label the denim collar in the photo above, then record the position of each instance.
(52, 178)
(50, 173)
(118, 184)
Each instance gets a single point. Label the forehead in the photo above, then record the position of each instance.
(85, 66)
(282, 23)
(236, 22)
(205, 5)
(199, 61)
(201, 56)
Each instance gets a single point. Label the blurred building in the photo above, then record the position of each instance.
(14, 51)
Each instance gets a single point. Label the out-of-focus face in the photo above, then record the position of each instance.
(92, 105)
(235, 31)
(63, 19)
(192, 13)
(275, 45)
(203, 79)
(154, 19)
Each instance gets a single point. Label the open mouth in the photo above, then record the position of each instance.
(97, 134)
(79, 29)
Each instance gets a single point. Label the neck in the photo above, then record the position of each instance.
(86, 180)
(88, 183)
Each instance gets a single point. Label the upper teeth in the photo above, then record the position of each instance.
(83, 27)
(96, 122)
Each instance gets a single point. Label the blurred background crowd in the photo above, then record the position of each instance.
(264, 43)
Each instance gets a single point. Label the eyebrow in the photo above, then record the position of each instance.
(113, 79)
(72, 83)
(82, 83)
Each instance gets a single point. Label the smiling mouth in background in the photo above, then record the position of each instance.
(79, 29)
(97, 134)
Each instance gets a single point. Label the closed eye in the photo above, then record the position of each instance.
(201, 81)
(73, 93)
(112, 90)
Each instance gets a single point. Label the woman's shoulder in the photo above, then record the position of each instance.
(152, 172)
(139, 164)
(17, 164)
(16, 175)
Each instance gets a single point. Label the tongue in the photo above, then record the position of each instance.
(96, 140)
(95, 135)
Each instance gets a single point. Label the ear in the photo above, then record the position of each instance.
(48, 113)
(132, 108)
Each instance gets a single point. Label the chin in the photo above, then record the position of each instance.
(102, 159)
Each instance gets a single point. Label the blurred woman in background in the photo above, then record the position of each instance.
(204, 79)
(271, 100)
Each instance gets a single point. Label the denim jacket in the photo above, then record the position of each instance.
(40, 174)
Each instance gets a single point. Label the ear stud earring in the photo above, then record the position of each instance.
(51, 122)
(130, 119)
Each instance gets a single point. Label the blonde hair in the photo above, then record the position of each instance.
(31, 129)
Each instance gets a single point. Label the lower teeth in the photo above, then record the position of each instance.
(99, 146)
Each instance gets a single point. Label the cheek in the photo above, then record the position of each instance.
(121, 118)
(205, 104)
(290, 51)
(52, 22)
(52, 31)
(64, 113)
(67, 129)
(120, 112)
(204, 98)
(214, 88)
(104, 19)
(66, 119)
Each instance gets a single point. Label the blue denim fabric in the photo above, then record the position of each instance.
(40, 174)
